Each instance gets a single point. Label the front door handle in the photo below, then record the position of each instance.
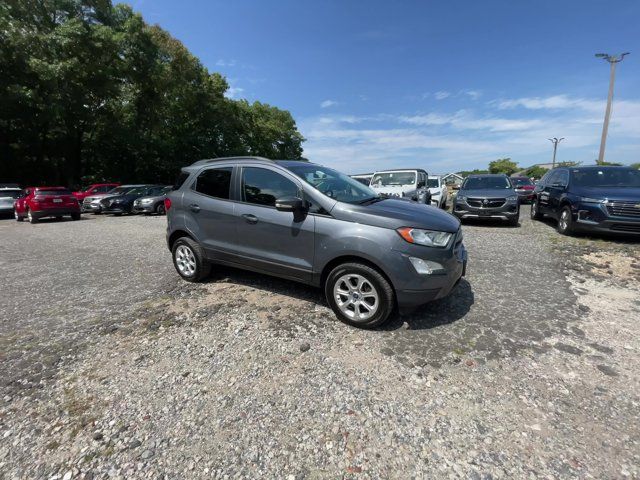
(252, 219)
(194, 208)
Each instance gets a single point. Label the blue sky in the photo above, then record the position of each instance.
(442, 85)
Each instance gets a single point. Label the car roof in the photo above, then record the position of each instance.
(403, 170)
(50, 188)
(10, 188)
(599, 167)
(480, 175)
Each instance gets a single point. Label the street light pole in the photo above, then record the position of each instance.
(555, 142)
(613, 60)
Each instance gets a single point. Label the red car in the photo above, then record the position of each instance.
(40, 202)
(524, 188)
(94, 189)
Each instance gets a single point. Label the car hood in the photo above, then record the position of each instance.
(391, 213)
(153, 198)
(487, 193)
(613, 193)
(121, 197)
(435, 190)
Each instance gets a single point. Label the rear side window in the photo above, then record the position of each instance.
(214, 182)
(263, 187)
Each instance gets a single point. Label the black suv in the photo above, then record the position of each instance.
(487, 196)
(597, 198)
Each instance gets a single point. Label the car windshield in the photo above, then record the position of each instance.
(53, 192)
(333, 184)
(393, 178)
(433, 183)
(10, 193)
(166, 189)
(486, 183)
(606, 177)
(520, 181)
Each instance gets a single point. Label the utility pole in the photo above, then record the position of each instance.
(555, 142)
(613, 60)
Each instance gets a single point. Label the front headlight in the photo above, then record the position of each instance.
(592, 200)
(429, 238)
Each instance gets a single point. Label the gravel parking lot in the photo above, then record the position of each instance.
(113, 367)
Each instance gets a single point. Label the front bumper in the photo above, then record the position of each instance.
(143, 208)
(55, 212)
(91, 208)
(589, 217)
(506, 212)
(427, 288)
(114, 209)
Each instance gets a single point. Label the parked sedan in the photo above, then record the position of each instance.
(598, 198)
(524, 188)
(8, 195)
(487, 197)
(94, 189)
(92, 202)
(40, 202)
(152, 204)
(119, 204)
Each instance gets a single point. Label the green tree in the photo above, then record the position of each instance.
(635, 165)
(503, 165)
(90, 91)
(466, 173)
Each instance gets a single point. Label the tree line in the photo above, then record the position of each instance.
(91, 92)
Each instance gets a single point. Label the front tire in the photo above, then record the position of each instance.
(189, 260)
(535, 210)
(359, 295)
(565, 221)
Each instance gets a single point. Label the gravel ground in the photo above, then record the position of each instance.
(112, 367)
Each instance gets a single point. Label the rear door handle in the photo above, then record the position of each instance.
(194, 208)
(252, 219)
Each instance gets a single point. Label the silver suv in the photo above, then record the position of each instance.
(312, 224)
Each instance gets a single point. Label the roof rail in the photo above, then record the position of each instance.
(222, 159)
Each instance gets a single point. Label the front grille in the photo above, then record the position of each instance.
(486, 202)
(624, 209)
(621, 227)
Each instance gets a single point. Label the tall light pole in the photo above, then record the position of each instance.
(555, 142)
(613, 60)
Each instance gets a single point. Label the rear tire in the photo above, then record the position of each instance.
(565, 221)
(18, 217)
(359, 295)
(189, 260)
(75, 216)
(160, 210)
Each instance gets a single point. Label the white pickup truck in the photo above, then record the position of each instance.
(403, 183)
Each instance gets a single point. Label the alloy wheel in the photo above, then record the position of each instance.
(186, 261)
(564, 220)
(356, 297)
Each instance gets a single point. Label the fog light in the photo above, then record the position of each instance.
(424, 267)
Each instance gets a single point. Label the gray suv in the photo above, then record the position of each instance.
(312, 224)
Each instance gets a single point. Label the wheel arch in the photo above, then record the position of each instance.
(179, 234)
(334, 262)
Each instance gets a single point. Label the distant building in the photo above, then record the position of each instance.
(452, 179)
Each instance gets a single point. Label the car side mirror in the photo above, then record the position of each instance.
(289, 204)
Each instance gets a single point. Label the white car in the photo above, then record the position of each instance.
(439, 191)
(8, 194)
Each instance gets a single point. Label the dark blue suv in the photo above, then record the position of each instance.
(597, 198)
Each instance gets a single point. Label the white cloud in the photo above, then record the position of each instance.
(473, 94)
(234, 92)
(444, 141)
(226, 63)
(441, 95)
(328, 103)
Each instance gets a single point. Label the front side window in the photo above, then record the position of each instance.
(214, 182)
(263, 187)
